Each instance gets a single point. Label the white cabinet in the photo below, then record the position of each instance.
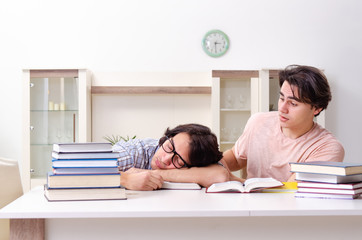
(57, 108)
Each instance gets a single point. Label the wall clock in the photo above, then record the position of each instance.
(215, 43)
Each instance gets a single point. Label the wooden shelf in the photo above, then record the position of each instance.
(273, 73)
(149, 90)
(235, 109)
(56, 73)
(234, 73)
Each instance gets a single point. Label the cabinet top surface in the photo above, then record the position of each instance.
(180, 203)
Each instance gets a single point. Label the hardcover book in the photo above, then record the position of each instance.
(56, 163)
(86, 170)
(327, 178)
(336, 168)
(82, 147)
(250, 185)
(330, 185)
(83, 180)
(85, 155)
(330, 190)
(85, 194)
(326, 196)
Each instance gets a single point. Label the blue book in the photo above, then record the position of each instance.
(85, 170)
(107, 162)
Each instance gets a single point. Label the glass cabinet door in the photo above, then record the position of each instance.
(234, 100)
(57, 108)
(235, 109)
(53, 118)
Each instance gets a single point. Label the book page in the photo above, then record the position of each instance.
(230, 186)
(258, 180)
(255, 183)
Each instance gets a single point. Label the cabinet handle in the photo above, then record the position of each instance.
(31, 84)
(73, 127)
(31, 128)
(32, 170)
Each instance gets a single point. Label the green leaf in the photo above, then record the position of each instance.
(116, 138)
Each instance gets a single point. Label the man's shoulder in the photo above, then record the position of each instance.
(264, 115)
(324, 133)
(261, 117)
(136, 144)
(149, 142)
(326, 138)
(144, 143)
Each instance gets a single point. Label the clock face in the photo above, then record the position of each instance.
(215, 43)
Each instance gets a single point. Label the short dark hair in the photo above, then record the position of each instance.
(312, 84)
(204, 148)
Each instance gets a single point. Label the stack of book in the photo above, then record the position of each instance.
(84, 171)
(339, 180)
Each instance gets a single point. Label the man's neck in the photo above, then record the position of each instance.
(295, 133)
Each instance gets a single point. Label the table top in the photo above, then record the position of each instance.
(180, 203)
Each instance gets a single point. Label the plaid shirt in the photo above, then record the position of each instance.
(136, 153)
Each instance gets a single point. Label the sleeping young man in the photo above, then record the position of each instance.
(186, 153)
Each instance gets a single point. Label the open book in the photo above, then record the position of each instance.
(251, 184)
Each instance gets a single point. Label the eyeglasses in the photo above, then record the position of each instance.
(169, 147)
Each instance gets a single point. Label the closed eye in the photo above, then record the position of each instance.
(169, 147)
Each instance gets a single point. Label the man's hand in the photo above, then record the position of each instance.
(235, 178)
(141, 179)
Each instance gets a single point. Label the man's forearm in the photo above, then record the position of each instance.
(205, 176)
(230, 161)
(145, 180)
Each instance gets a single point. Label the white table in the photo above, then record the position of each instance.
(185, 214)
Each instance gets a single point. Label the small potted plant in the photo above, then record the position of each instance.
(116, 138)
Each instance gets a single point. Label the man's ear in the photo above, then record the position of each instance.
(317, 111)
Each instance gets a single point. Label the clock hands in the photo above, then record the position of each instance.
(215, 43)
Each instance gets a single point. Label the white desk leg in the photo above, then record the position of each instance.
(32, 229)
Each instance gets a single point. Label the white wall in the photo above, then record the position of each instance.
(165, 35)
